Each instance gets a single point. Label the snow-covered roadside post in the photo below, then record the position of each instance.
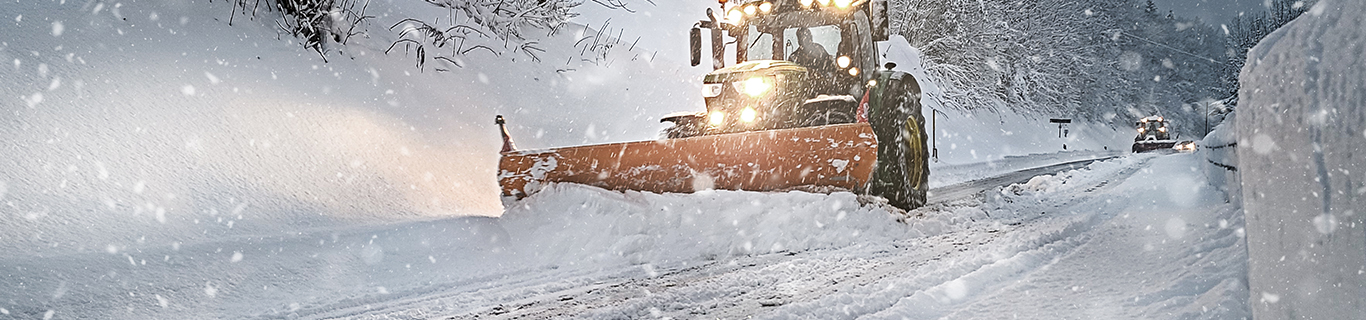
(1302, 156)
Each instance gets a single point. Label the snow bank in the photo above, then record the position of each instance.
(1301, 147)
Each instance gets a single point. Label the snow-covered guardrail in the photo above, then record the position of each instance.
(1220, 149)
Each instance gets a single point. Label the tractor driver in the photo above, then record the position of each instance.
(817, 60)
(811, 54)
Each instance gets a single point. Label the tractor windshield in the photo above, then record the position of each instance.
(819, 48)
(835, 47)
(761, 46)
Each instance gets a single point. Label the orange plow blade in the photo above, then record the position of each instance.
(836, 155)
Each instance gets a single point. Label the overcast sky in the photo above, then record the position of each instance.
(1213, 12)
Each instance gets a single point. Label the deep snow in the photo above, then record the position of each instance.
(161, 164)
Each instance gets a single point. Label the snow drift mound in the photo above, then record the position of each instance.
(593, 224)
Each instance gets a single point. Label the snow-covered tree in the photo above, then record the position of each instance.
(1245, 31)
(1093, 59)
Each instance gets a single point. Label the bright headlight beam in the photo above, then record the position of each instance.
(843, 4)
(748, 114)
(853, 72)
(765, 7)
(843, 61)
(754, 87)
(735, 16)
(749, 10)
(805, 3)
(717, 118)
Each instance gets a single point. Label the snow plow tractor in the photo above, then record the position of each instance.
(1153, 134)
(806, 105)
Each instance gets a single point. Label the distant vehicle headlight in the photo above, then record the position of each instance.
(1185, 146)
(853, 72)
(843, 61)
(842, 4)
(748, 114)
(717, 118)
(711, 90)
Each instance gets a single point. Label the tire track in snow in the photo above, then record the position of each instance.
(915, 262)
(1031, 245)
(760, 285)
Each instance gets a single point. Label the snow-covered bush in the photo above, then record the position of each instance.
(316, 22)
(494, 27)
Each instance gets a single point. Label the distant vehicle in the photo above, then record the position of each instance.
(1153, 134)
(1185, 146)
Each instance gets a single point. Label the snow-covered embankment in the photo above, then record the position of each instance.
(1302, 155)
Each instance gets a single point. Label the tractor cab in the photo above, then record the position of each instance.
(1152, 128)
(797, 63)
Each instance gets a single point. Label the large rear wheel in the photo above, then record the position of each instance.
(902, 173)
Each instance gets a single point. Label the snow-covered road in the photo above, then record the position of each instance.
(1138, 236)
(1118, 242)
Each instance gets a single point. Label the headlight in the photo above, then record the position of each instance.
(1140, 130)
(735, 16)
(1163, 129)
(843, 61)
(748, 114)
(842, 4)
(853, 72)
(749, 10)
(711, 90)
(805, 3)
(754, 87)
(717, 118)
(765, 7)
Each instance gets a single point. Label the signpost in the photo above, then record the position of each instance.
(934, 131)
(1062, 123)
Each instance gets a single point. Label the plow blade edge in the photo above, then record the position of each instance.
(840, 156)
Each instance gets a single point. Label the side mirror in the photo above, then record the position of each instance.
(877, 11)
(695, 45)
